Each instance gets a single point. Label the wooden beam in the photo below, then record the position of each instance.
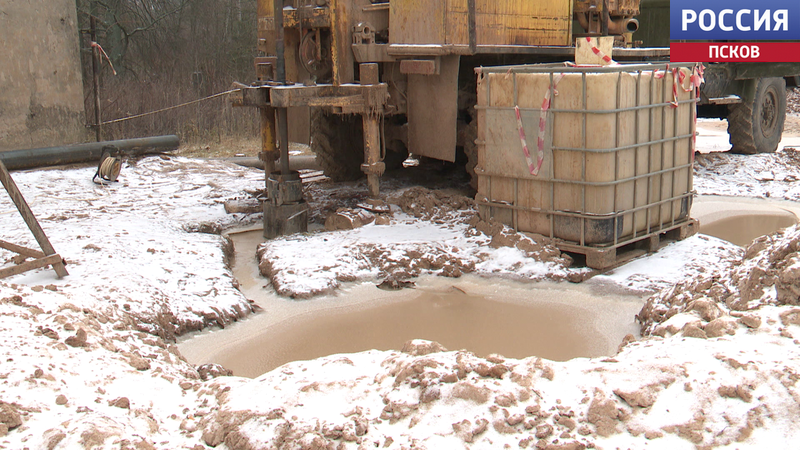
(30, 265)
(29, 252)
(30, 219)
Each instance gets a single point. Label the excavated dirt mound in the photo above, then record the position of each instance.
(362, 248)
(768, 274)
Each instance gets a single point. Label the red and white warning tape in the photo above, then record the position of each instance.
(600, 53)
(678, 78)
(103, 53)
(534, 167)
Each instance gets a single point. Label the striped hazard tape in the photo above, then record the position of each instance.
(678, 78)
(103, 54)
(535, 167)
(607, 59)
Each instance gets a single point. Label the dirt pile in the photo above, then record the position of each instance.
(75, 368)
(438, 206)
(438, 233)
(767, 274)
(498, 397)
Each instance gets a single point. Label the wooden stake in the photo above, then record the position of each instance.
(30, 220)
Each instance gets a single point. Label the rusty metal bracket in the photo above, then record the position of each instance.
(352, 97)
(306, 17)
(377, 168)
(420, 66)
(249, 95)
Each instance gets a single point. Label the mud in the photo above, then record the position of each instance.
(361, 260)
(555, 321)
(769, 266)
(454, 319)
(740, 220)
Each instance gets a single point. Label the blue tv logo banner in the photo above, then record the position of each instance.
(763, 20)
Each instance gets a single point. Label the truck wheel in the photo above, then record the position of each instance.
(396, 154)
(757, 126)
(338, 142)
(471, 150)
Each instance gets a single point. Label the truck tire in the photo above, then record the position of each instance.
(471, 150)
(757, 126)
(338, 142)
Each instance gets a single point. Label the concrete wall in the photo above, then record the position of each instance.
(41, 92)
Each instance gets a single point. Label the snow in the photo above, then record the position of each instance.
(346, 255)
(146, 262)
(696, 255)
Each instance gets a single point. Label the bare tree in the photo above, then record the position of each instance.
(167, 52)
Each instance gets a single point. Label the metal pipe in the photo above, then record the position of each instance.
(605, 19)
(95, 77)
(78, 153)
(283, 129)
(280, 65)
(296, 162)
(267, 122)
(471, 27)
(280, 77)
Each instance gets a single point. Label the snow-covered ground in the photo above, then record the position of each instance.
(87, 361)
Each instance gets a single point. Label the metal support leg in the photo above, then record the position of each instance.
(373, 167)
(268, 148)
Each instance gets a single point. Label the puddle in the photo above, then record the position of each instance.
(554, 321)
(740, 220)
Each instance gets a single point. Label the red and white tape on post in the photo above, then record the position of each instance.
(534, 167)
(103, 53)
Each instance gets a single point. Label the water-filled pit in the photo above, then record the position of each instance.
(740, 220)
(557, 321)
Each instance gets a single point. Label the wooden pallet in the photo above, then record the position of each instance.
(47, 256)
(603, 258)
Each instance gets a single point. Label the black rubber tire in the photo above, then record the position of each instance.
(471, 150)
(757, 126)
(338, 142)
(396, 154)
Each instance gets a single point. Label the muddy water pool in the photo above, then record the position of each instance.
(739, 220)
(558, 321)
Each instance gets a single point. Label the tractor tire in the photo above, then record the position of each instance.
(396, 154)
(338, 142)
(471, 150)
(757, 126)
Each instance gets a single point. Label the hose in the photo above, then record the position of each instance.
(109, 168)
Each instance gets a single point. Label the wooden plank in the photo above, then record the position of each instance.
(29, 218)
(21, 250)
(30, 265)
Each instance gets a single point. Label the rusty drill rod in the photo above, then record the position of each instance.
(283, 129)
(77, 153)
(280, 75)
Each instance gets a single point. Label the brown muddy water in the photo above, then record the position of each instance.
(740, 220)
(557, 321)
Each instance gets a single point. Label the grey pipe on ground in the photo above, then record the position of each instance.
(89, 152)
(296, 162)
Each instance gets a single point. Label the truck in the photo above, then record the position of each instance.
(385, 77)
(399, 74)
(751, 96)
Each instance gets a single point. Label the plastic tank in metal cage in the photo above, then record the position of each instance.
(617, 145)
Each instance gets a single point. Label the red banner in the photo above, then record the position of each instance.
(734, 52)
